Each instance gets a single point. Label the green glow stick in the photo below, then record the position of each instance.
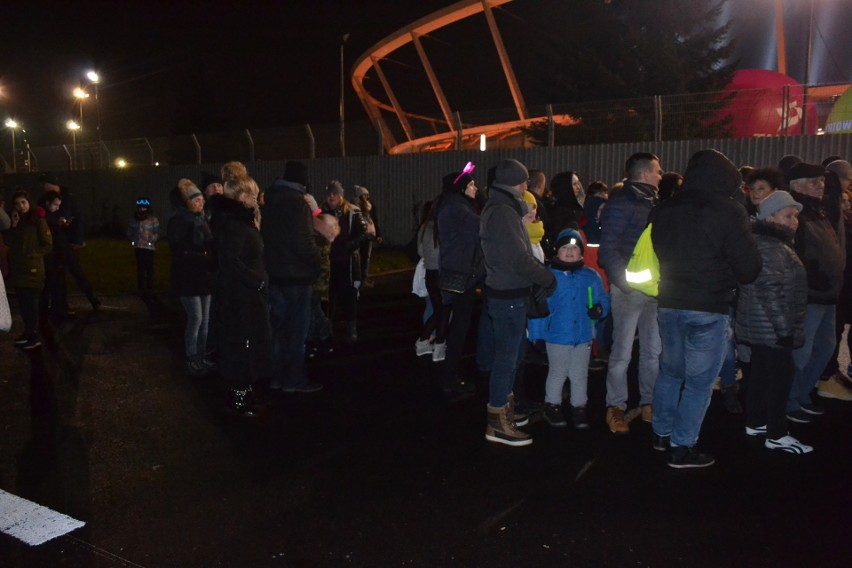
(590, 297)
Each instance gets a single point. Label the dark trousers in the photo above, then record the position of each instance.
(145, 270)
(342, 295)
(768, 386)
(439, 320)
(461, 306)
(28, 301)
(290, 319)
(54, 297)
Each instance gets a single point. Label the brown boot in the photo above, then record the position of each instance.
(502, 430)
(517, 417)
(616, 421)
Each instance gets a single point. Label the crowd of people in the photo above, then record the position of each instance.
(752, 273)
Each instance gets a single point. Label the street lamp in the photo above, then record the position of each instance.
(80, 94)
(94, 78)
(73, 127)
(12, 125)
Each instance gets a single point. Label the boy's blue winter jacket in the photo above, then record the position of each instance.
(568, 322)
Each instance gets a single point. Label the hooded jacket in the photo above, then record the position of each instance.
(291, 252)
(703, 239)
(774, 305)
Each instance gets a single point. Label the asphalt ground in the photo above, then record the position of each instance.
(380, 468)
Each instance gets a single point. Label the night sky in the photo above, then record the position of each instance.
(180, 67)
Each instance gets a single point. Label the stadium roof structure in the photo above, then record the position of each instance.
(448, 132)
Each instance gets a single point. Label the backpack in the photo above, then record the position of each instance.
(643, 270)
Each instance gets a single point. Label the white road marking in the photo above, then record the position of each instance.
(32, 523)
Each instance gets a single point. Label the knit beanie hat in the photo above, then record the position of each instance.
(570, 237)
(188, 190)
(776, 201)
(456, 181)
(530, 201)
(334, 187)
(296, 172)
(511, 172)
(360, 190)
(210, 179)
(841, 167)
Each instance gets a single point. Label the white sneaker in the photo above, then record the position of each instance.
(439, 352)
(788, 444)
(422, 347)
(759, 431)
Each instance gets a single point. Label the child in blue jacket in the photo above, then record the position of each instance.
(579, 301)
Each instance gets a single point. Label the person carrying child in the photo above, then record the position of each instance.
(579, 301)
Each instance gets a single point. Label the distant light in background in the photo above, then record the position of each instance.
(120, 163)
(12, 125)
(80, 93)
(93, 77)
(482, 142)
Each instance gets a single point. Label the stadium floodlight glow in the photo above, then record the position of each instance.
(482, 142)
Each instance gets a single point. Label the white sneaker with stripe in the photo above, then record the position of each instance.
(788, 444)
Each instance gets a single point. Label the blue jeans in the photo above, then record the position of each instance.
(810, 359)
(629, 312)
(197, 322)
(694, 345)
(290, 319)
(509, 326)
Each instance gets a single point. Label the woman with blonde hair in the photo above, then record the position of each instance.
(244, 336)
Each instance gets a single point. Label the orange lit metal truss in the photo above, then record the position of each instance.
(455, 134)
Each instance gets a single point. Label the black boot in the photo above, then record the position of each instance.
(731, 399)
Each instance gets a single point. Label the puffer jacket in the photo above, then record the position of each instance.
(458, 236)
(774, 305)
(568, 322)
(703, 239)
(29, 242)
(819, 245)
(622, 222)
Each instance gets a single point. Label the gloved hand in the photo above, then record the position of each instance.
(595, 312)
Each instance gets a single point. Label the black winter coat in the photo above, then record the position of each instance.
(191, 244)
(241, 282)
(703, 239)
(345, 253)
(458, 236)
(774, 305)
(820, 246)
(292, 256)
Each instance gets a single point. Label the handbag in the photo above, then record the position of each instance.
(643, 270)
(418, 285)
(454, 281)
(5, 312)
(537, 306)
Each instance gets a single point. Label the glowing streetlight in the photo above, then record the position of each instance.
(80, 95)
(95, 79)
(73, 127)
(12, 125)
(120, 163)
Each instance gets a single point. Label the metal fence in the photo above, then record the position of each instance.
(782, 110)
(399, 185)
